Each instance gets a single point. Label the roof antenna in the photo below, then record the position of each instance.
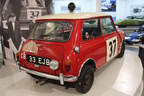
(71, 7)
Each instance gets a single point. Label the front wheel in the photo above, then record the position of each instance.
(122, 51)
(85, 80)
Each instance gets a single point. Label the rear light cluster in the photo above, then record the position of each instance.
(67, 65)
(17, 56)
(23, 55)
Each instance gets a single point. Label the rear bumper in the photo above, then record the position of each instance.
(61, 77)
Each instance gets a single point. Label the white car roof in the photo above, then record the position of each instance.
(72, 16)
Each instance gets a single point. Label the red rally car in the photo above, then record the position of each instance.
(70, 47)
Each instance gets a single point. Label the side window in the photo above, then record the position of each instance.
(91, 29)
(107, 26)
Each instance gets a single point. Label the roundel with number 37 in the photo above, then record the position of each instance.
(111, 45)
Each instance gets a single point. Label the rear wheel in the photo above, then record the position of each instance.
(85, 80)
(122, 50)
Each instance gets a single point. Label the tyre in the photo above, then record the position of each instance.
(85, 79)
(122, 50)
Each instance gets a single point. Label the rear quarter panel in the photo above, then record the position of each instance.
(121, 36)
(93, 49)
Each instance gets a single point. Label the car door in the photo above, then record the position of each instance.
(110, 37)
(92, 44)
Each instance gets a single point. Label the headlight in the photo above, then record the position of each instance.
(127, 37)
(54, 65)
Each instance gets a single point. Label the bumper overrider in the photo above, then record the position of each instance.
(61, 77)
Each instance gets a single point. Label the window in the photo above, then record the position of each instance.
(52, 31)
(107, 26)
(91, 29)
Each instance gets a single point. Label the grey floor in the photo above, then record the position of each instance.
(135, 49)
(132, 48)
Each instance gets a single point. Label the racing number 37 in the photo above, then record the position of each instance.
(112, 45)
(111, 48)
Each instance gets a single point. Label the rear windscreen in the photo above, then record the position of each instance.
(59, 31)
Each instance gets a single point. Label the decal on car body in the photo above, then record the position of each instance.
(111, 45)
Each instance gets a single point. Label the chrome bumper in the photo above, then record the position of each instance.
(61, 77)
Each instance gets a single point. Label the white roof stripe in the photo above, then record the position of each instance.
(72, 16)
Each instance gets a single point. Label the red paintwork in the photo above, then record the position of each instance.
(95, 49)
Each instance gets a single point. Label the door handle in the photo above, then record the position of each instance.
(106, 38)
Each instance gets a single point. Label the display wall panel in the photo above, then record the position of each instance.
(60, 6)
(17, 17)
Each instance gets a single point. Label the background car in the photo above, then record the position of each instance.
(136, 36)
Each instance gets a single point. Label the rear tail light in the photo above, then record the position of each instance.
(67, 65)
(23, 55)
(17, 56)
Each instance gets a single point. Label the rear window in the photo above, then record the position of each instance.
(58, 31)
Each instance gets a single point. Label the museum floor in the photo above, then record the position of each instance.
(120, 77)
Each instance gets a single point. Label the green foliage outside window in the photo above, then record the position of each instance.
(130, 22)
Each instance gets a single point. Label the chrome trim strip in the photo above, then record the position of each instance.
(61, 78)
(84, 63)
(40, 74)
(72, 79)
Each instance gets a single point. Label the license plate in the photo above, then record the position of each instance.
(38, 60)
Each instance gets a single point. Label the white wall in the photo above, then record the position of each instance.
(60, 6)
(123, 7)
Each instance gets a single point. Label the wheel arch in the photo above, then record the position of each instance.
(88, 61)
(123, 41)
